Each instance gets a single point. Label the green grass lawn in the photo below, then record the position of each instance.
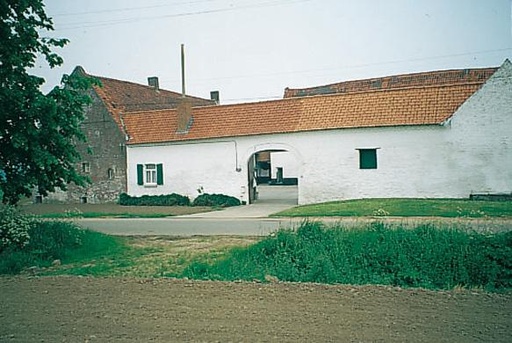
(59, 211)
(451, 208)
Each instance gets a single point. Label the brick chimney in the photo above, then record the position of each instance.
(185, 118)
(215, 96)
(153, 82)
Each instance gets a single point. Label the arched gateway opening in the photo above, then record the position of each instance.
(273, 175)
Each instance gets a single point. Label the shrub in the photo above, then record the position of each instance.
(51, 240)
(216, 200)
(56, 240)
(154, 200)
(426, 256)
(14, 228)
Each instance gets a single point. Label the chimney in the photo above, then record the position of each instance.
(185, 119)
(183, 93)
(215, 96)
(153, 82)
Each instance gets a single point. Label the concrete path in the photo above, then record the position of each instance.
(187, 226)
(271, 199)
(253, 220)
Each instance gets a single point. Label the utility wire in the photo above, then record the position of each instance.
(128, 9)
(91, 24)
(356, 66)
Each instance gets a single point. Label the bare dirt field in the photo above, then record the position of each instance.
(76, 309)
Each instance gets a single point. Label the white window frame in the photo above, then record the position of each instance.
(150, 174)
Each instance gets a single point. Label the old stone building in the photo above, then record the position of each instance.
(104, 153)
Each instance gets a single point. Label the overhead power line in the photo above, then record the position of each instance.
(91, 24)
(350, 67)
(127, 9)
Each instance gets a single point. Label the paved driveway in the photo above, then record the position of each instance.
(271, 199)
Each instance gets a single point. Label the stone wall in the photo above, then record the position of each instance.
(103, 159)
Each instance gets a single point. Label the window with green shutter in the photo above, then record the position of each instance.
(150, 174)
(159, 174)
(140, 174)
(367, 158)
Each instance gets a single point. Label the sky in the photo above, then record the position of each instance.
(251, 50)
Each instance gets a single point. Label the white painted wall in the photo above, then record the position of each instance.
(472, 153)
(188, 167)
(285, 160)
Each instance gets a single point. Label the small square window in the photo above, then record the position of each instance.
(367, 158)
(86, 167)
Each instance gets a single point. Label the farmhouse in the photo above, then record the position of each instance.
(429, 135)
(104, 153)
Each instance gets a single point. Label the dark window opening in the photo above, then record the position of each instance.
(367, 158)
(86, 167)
(83, 200)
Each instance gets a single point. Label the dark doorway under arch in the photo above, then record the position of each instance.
(264, 176)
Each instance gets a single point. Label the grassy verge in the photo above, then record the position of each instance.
(56, 243)
(62, 248)
(148, 257)
(451, 208)
(425, 257)
(102, 215)
(58, 211)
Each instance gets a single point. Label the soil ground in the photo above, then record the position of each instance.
(79, 309)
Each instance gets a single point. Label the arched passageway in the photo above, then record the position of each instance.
(273, 177)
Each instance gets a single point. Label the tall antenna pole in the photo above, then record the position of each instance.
(183, 70)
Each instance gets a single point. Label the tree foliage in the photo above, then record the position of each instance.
(38, 131)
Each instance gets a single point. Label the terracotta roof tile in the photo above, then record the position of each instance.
(122, 97)
(432, 78)
(414, 99)
(427, 105)
(133, 97)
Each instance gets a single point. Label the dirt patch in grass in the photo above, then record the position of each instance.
(83, 309)
(111, 209)
(152, 256)
(170, 255)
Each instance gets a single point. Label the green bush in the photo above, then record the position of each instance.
(154, 200)
(14, 227)
(52, 240)
(216, 200)
(429, 257)
(55, 240)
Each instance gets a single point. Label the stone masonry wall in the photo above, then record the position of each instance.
(103, 159)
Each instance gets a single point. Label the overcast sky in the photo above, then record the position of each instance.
(251, 50)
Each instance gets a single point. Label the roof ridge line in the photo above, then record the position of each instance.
(474, 83)
(307, 97)
(396, 75)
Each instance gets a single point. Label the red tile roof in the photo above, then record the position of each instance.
(123, 97)
(133, 97)
(432, 78)
(417, 105)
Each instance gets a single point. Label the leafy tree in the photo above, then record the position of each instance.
(38, 131)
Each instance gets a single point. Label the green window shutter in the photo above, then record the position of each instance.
(140, 174)
(159, 174)
(368, 159)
